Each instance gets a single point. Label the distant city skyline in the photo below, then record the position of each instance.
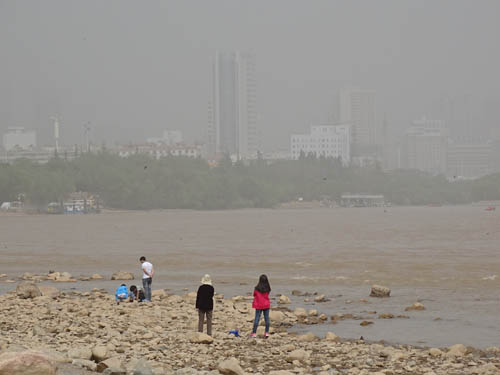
(131, 70)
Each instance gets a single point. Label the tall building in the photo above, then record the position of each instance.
(426, 146)
(18, 138)
(232, 125)
(357, 107)
(468, 160)
(329, 141)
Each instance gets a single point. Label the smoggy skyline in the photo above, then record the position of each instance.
(134, 69)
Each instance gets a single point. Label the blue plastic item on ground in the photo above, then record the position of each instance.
(235, 333)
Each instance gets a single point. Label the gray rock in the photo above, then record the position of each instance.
(380, 291)
(27, 289)
(122, 275)
(230, 366)
(26, 363)
(143, 368)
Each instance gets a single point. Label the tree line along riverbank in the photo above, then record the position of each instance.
(140, 182)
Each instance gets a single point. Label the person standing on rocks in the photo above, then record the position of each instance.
(261, 304)
(205, 303)
(147, 277)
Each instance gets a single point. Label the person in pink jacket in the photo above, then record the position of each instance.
(261, 304)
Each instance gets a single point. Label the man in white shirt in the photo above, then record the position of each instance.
(147, 278)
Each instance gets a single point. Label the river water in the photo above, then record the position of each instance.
(446, 257)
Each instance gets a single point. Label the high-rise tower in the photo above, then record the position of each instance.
(232, 127)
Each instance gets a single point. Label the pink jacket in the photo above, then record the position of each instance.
(261, 300)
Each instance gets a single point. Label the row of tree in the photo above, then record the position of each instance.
(139, 182)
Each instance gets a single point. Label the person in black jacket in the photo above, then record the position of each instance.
(205, 303)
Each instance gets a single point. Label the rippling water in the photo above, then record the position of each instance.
(447, 257)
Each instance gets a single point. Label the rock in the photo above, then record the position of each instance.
(380, 291)
(416, 306)
(160, 293)
(435, 352)
(27, 289)
(100, 353)
(323, 317)
(386, 316)
(320, 298)
(457, 350)
(83, 363)
(284, 300)
(281, 372)
(122, 275)
(96, 276)
(143, 368)
(80, 353)
(26, 363)
(330, 336)
(49, 291)
(308, 337)
(365, 323)
(488, 369)
(276, 316)
(297, 293)
(313, 312)
(200, 338)
(65, 277)
(113, 363)
(230, 366)
(300, 313)
(298, 355)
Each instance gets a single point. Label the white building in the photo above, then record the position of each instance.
(232, 123)
(330, 141)
(170, 137)
(158, 151)
(426, 146)
(17, 138)
(468, 160)
(357, 108)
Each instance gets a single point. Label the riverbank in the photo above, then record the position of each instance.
(71, 327)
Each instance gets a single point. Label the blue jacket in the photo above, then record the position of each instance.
(121, 290)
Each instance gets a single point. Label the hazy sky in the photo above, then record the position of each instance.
(133, 68)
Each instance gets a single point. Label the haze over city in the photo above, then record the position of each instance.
(131, 70)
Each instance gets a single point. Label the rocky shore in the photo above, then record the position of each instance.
(48, 332)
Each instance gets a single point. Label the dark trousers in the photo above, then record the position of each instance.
(201, 319)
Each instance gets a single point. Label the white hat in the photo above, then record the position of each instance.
(206, 280)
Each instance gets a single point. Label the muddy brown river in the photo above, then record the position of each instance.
(448, 258)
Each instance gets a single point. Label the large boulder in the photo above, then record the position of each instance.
(276, 316)
(100, 353)
(298, 355)
(458, 350)
(300, 313)
(80, 353)
(49, 291)
(308, 337)
(122, 275)
(26, 363)
(27, 289)
(284, 300)
(330, 336)
(200, 338)
(415, 307)
(143, 368)
(380, 291)
(230, 366)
